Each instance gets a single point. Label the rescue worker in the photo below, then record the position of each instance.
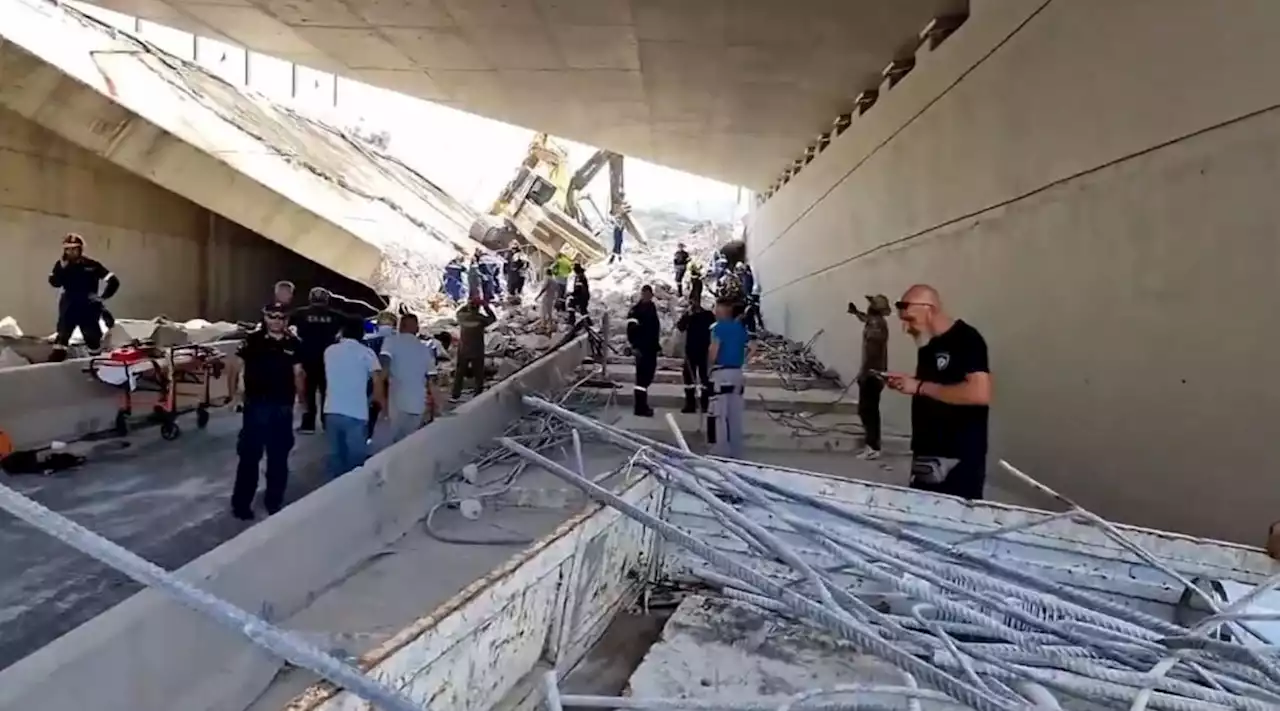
(745, 277)
(875, 360)
(474, 277)
(730, 288)
(349, 367)
(616, 254)
(750, 298)
(282, 293)
(270, 360)
(317, 325)
(440, 345)
(681, 262)
(515, 270)
(81, 280)
(561, 268)
(695, 282)
(472, 319)
(453, 285)
(695, 324)
(490, 272)
(729, 352)
(581, 295)
(644, 333)
(719, 267)
(547, 301)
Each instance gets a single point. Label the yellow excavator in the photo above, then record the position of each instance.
(544, 207)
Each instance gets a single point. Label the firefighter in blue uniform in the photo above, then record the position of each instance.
(85, 284)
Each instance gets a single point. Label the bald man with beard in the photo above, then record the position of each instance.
(950, 397)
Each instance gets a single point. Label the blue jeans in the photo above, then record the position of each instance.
(267, 428)
(348, 443)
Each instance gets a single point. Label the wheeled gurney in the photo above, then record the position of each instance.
(177, 377)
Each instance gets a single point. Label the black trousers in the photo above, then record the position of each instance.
(468, 367)
(73, 313)
(967, 480)
(869, 390)
(646, 367)
(316, 386)
(695, 371)
(267, 428)
(680, 280)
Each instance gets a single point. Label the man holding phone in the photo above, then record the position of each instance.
(875, 360)
(950, 397)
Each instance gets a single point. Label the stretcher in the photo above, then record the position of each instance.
(176, 380)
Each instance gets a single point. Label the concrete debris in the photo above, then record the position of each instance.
(962, 627)
(17, 349)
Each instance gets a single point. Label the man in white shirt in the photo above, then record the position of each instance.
(348, 367)
(408, 362)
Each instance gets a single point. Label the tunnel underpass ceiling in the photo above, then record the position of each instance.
(731, 89)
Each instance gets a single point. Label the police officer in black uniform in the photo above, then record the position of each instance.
(644, 333)
(270, 359)
(317, 325)
(80, 305)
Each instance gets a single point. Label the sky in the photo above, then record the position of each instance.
(469, 156)
(482, 155)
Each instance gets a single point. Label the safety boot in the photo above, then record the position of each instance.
(642, 408)
(690, 401)
(308, 424)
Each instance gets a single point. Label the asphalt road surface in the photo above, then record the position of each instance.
(166, 501)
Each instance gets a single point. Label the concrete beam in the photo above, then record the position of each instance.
(150, 654)
(287, 177)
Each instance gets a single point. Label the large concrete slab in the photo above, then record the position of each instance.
(288, 177)
(734, 89)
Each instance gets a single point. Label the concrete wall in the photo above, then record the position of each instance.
(1092, 184)
(49, 187)
(151, 654)
(173, 256)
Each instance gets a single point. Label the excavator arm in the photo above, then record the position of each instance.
(582, 178)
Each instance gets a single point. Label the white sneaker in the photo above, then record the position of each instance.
(869, 454)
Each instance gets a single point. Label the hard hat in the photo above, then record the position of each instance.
(318, 295)
(72, 240)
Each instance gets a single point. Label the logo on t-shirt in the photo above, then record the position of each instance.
(942, 360)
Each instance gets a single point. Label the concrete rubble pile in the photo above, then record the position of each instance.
(18, 349)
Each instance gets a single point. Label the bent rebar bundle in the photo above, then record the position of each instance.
(972, 631)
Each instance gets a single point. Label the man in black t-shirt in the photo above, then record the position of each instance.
(317, 325)
(951, 397)
(270, 359)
